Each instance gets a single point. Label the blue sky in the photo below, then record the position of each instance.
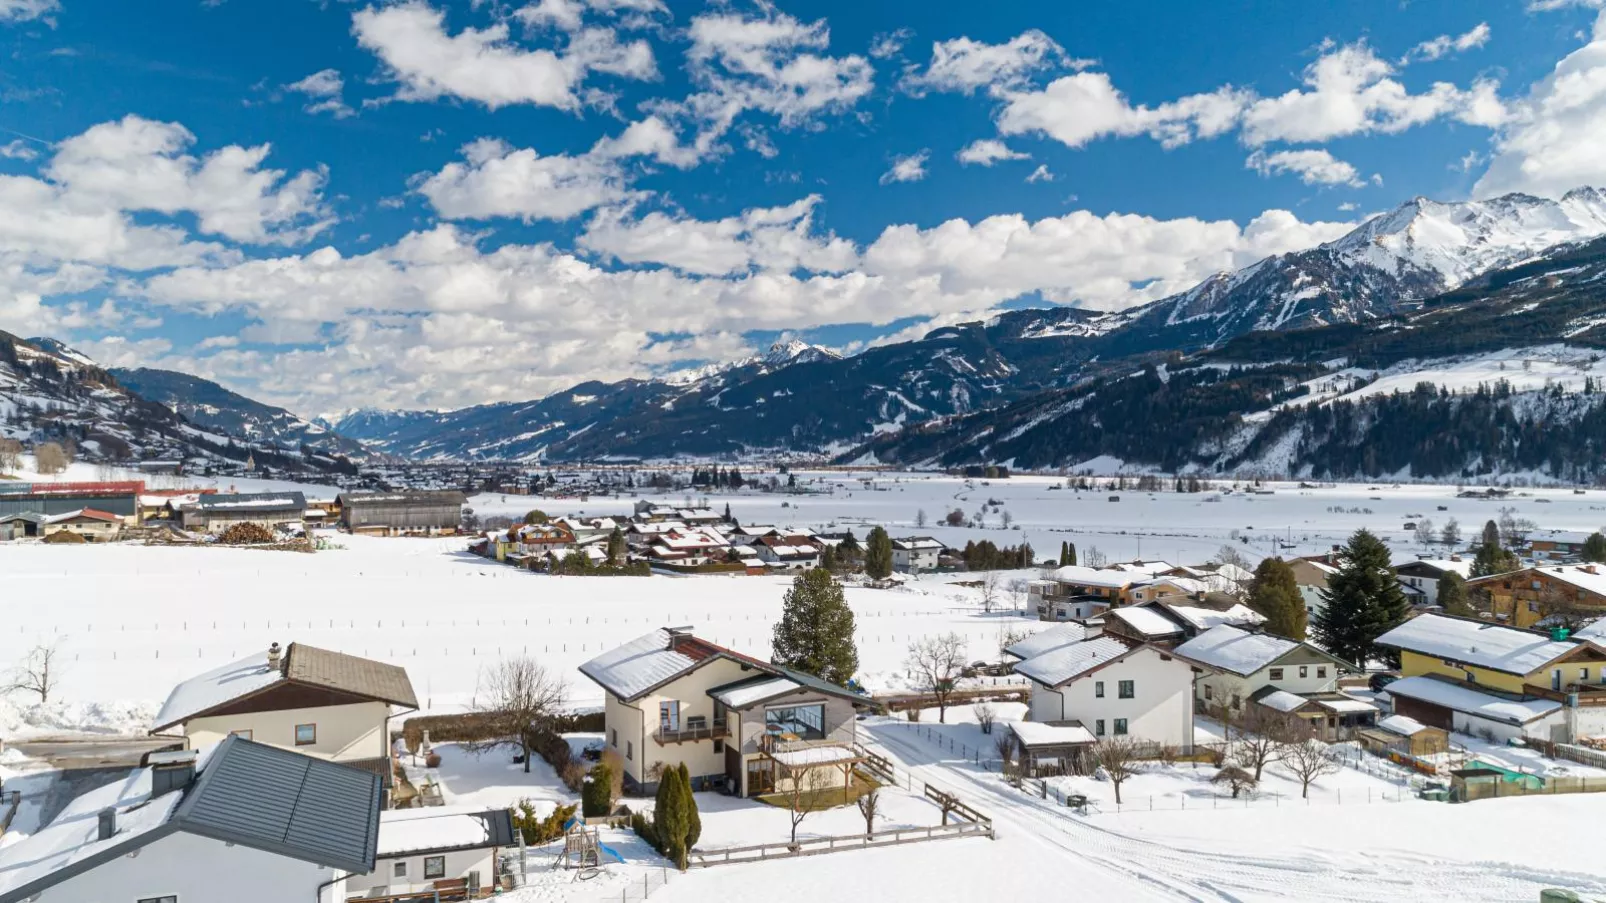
(422, 203)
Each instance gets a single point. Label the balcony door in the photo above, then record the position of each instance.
(669, 716)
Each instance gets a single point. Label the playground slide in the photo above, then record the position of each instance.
(610, 851)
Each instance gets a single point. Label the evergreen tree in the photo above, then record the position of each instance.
(1492, 557)
(1070, 554)
(596, 792)
(1595, 547)
(1065, 550)
(815, 633)
(671, 816)
(617, 550)
(1453, 596)
(694, 821)
(849, 547)
(1275, 595)
(878, 554)
(1363, 602)
(828, 560)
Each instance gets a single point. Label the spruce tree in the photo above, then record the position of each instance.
(815, 633)
(1065, 549)
(616, 547)
(694, 821)
(1453, 596)
(1363, 601)
(1595, 547)
(1275, 595)
(828, 560)
(1492, 557)
(878, 554)
(1070, 556)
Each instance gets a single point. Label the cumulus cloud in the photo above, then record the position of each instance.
(911, 168)
(1314, 167)
(1553, 139)
(484, 65)
(1041, 174)
(19, 149)
(963, 65)
(323, 89)
(888, 44)
(1086, 106)
(568, 15)
(27, 10)
(1445, 45)
(497, 180)
(776, 238)
(987, 151)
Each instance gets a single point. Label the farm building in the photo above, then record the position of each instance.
(121, 499)
(216, 513)
(21, 526)
(402, 513)
(86, 522)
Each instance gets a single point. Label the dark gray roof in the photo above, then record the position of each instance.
(404, 497)
(338, 671)
(283, 802)
(253, 502)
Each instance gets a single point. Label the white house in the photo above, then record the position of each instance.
(324, 704)
(915, 553)
(240, 821)
(418, 847)
(1423, 575)
(1236, 663)
(1114, 687)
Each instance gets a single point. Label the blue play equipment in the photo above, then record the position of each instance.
(582, 849)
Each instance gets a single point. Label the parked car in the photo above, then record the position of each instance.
(1381, 680)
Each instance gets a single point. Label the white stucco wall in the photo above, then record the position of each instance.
(1223, 686)
(691, 691)
(197, 869)
(1161, 710)
(459, 863)
(345, 732)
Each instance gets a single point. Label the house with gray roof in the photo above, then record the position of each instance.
(1114, 687)
(273, 510)
(238, 820)
(320, 703)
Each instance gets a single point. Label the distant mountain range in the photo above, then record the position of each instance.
(1208, 378)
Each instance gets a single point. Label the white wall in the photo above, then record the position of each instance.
(692, 693)
(1161, 710)
(458, 865)
(198, 869)
(345, 732)
(1223, 686)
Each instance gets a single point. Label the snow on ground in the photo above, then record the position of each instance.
(489, 778)
(83, 471)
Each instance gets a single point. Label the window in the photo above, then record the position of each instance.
(1583, 675)
(1098, 689)
(669, 716)
(399, 870)
(1098, 728)
(630, 750)
(1236, 701)
(1321, 670)
(306, 734)
(804, 722)
(1276, 674)
(719, 747)
(243, 735)
(1533, 607)
(1126, 689)
(613, 733)
(434, 867)
(1209, 691)
(1120, 726)
(1304, 670)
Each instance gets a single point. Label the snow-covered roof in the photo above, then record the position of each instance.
(814, 755)
(1206, 618)
(301, 664)
(1282, 700)
(1062, 665)
(90, 513)
(1049, 639)
(1587, 577)
(1594, 630)
(915, 543)
(1227, 648)
(1344, 704)
(1445, 565)
(645, 662)
(1482, 643)
(1470, 701)
(217, 686)
(1084, 576)
(1036, 733)
(1403, 725)
(1145, 620)
(440, 828)
(1149, 568)
(253, 501)
(1185, 584)
(744, 694)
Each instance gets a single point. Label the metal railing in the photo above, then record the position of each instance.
(714, 730)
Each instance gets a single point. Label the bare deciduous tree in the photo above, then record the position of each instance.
(1424, 531)
(985, 716)
(1004, 745)
(989, 591)
(1093, 558)
(936, 662)
(517, 696)
(37, 673)
(1261, 733)
(1118, 756)
(1006, 518)
(1308, 759)
(1450, 533)
(806, 782)
(49, 458)
(920, 518)
(10, 454)
(869, 805)
(1237, 778)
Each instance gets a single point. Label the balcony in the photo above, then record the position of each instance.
(692, 730)
(1586, 694)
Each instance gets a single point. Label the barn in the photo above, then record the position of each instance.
(402, 513)
(121, 499)
(272, 510)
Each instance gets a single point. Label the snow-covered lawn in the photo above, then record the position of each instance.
(489, 778)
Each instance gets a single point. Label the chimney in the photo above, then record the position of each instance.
(273, 657)
(108, 824)
(678, 636)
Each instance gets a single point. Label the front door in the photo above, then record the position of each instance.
(760, 776)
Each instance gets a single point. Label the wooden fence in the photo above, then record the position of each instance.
(956, 699)
(819, 846)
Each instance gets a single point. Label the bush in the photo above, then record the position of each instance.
(536, 830)
(644, 829)
(65, 536)
(596, 794)
(694, 822)
(246, 534)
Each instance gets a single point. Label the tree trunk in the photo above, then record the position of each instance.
(525, 745)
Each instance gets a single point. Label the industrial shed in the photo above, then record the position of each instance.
(402, 513)
(216, 513)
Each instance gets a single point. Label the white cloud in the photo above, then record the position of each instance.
(776, 238)
(1314, 167)
(323, 89)
(497, 180)
(1041, 174)
(484, 65)
(568, 15)
(911, 168)
(987, 151)
(1553, 141)
(964, 65)
(889, 44)
(1445, 44)
(27, 10)
(18, 149)
(137, 164)
(1537, 6)
(1086, 106)
(1349, 90)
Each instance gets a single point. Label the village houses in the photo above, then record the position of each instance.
(1239, 667)
(1111, 687)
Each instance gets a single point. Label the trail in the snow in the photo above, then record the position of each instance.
(1384, 875)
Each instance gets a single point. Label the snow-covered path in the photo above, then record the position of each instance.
(1257, 854)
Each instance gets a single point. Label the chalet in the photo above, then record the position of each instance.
(1219, 577)
(1423, 575)
(1046, 597)
(1169, 620)
(539, 539)
(327, 705)
(736, 722)
(1470, 675)
(1556, 545)
(788, 552)
(1329, 716)
(1113, 687)
(1234, 664)
(1529, 596)
(402, 513)
(91, 524)
(243, 821)
(422, 849)
(121, 499)
(271, 510)
(916, 553)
